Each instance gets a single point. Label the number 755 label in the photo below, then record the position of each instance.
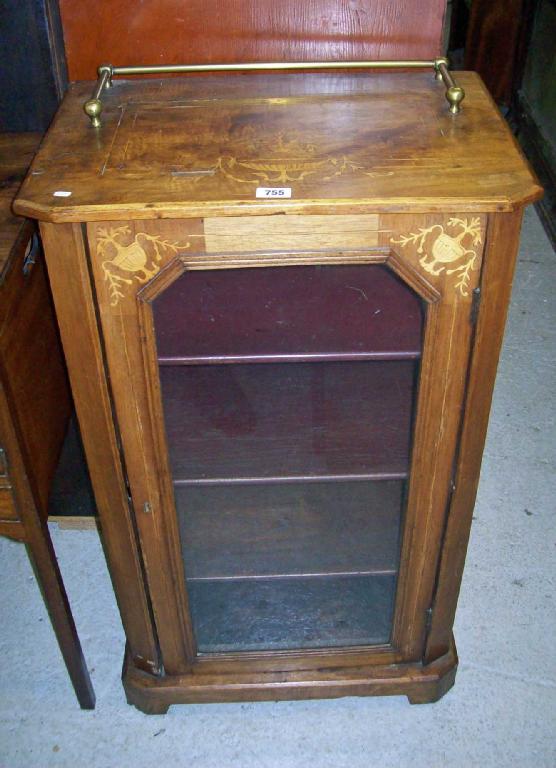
(274, 192)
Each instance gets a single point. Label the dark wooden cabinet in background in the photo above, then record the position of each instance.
(283, 401)
(34, 75)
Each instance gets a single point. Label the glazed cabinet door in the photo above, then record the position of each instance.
(288, 393)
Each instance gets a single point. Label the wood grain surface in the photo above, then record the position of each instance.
(343, 144)
(294, 233)
(171, 31)
(420, 682)
(31, 363)
(127, 253)
(380, 158)
(34, 372)
(498, 270)
(34, 410)
(80, 338)
(16, 152)
(8, 509)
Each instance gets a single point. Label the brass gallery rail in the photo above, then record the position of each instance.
(93, 107)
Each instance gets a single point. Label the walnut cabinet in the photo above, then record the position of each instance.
(281, 300)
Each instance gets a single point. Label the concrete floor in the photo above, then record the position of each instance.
(502, 709)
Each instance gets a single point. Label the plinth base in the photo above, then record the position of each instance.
(422, 684)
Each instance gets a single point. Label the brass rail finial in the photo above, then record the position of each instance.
(454, 94)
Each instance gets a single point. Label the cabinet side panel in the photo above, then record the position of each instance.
(74, 301)
(496, 282)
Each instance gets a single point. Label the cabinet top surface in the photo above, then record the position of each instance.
(201, 146)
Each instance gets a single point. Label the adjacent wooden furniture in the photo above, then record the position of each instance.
(282, 300)
(535, 108)
(34, 74)
(35, 402)
(497, 36)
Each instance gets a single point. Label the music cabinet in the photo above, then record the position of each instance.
(281, 299)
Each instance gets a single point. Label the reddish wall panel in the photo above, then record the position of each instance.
(125, 32)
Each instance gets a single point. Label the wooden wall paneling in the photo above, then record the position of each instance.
(172, 31)
(83, 350)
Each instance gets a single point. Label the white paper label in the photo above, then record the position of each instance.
(61, 193)
(271, 193)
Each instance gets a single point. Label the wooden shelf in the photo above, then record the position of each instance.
(281, 614)
(289, 313)
(290, 421)
(312, 529)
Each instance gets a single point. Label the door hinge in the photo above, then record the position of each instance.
(475, 305)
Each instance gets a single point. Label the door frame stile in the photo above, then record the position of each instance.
(81, 340)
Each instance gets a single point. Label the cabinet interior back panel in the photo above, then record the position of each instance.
(303, 312)
(288, 419)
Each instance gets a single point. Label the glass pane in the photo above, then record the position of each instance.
(289, 431)
(291, 564)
